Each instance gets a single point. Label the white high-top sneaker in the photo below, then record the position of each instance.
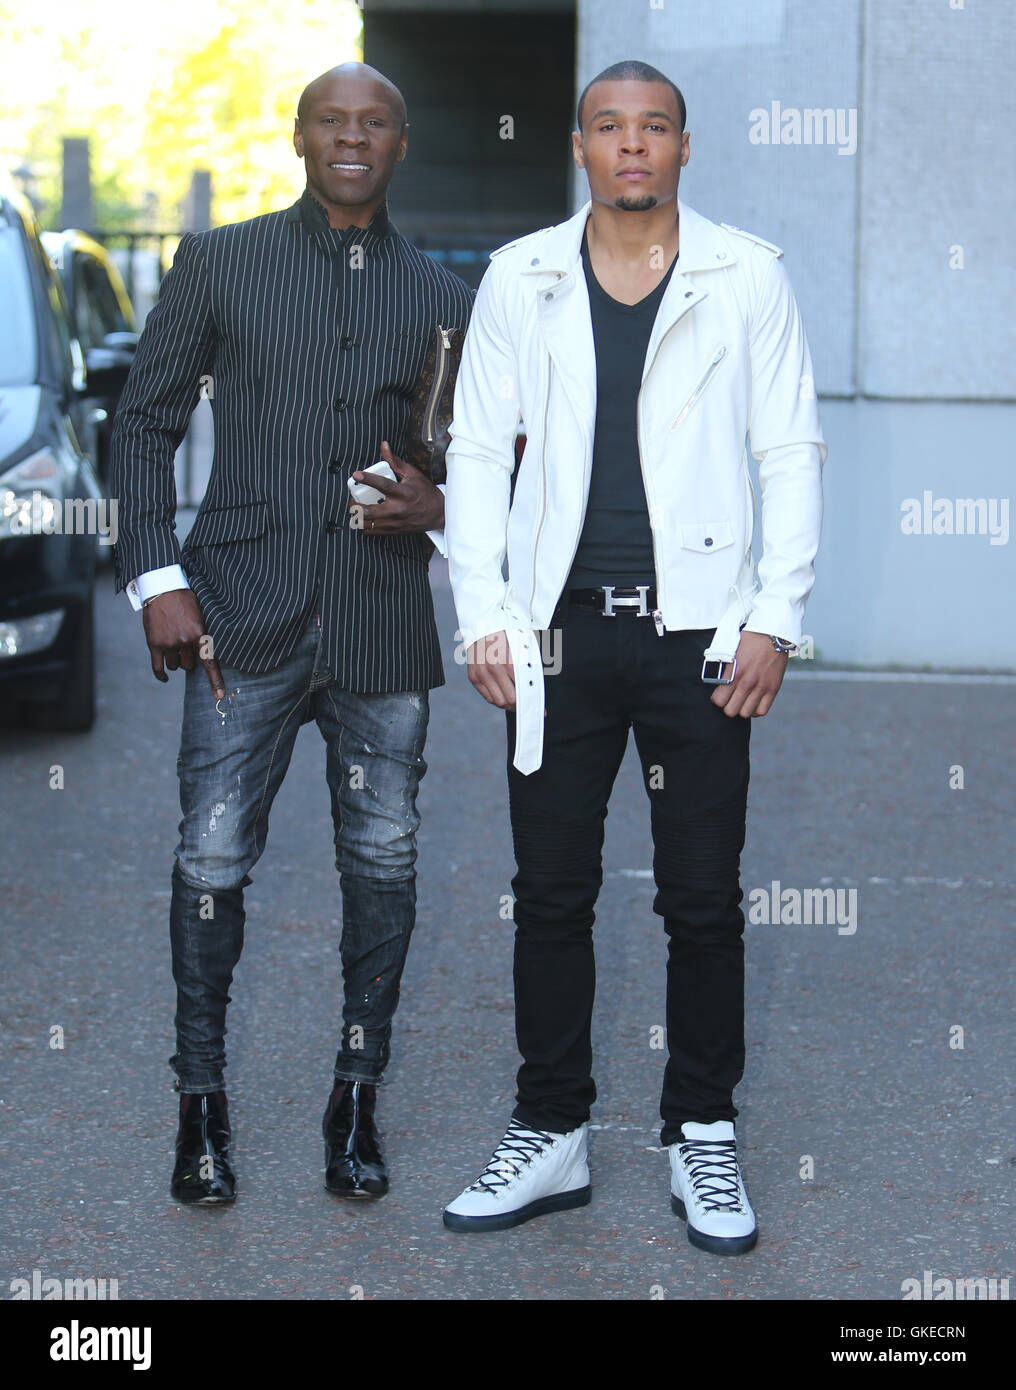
(531, 1172)
(707, 1191)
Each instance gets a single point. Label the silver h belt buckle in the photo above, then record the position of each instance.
(610, 603)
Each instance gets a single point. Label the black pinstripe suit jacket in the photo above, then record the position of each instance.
(309, 341)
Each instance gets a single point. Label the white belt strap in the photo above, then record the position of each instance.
(527, 660)
(723, 647)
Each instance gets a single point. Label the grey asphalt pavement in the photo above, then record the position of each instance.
(876, 1139)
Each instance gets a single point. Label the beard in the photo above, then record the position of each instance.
(642, 204)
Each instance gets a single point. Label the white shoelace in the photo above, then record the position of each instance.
(711, 1165)
(516, 1150)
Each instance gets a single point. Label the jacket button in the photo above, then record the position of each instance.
(708, 540)
(535, 261)
(348, 342)
(721, 255)
(688, 294)
(334, 466)
(549, 294)
(339, 403)
(332, 526)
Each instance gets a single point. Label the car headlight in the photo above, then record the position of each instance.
(30, 634)
(30, 495)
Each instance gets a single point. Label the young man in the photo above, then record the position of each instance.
(639, 343)
(313, 324)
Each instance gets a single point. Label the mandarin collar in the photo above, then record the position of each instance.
(313, 216)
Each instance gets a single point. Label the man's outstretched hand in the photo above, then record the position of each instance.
(176, 636)
(759, 675)
(414, 504)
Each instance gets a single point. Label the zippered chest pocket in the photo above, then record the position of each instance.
(707, 377)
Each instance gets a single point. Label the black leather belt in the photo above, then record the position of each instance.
(611, 599)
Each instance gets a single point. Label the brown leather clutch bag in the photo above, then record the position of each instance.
(430, 410)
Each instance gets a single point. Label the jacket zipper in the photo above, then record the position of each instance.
(657, 612)
(440, 377)
(543, 478)
(718, 357)
(751, 491)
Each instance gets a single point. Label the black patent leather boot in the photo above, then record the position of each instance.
(354, 1164)
(203, 1173)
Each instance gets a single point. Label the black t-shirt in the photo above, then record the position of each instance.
(616, 544)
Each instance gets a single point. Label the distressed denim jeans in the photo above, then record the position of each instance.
(233, 757)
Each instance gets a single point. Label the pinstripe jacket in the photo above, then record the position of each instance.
(309, 340)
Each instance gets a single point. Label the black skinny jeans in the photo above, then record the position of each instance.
(616, 674)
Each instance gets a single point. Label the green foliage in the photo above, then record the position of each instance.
(163, 90)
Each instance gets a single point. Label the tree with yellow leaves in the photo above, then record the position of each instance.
(161, 90)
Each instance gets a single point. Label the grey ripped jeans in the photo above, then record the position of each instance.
(233, 757)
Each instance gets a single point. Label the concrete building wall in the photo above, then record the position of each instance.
(936, 174)
(899, 250)
(884, 597)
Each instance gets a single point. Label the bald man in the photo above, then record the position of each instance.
(308, 328)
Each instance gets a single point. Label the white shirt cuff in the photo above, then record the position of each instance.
(438, 537)
(154, 582)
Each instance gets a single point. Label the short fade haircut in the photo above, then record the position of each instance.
(631, 70)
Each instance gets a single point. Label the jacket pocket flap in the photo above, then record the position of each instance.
(707, 535)
(243, 521)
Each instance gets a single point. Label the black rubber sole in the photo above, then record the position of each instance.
(203, 1201)
(557, 1201)
(356, 1194)
(716, 1245)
